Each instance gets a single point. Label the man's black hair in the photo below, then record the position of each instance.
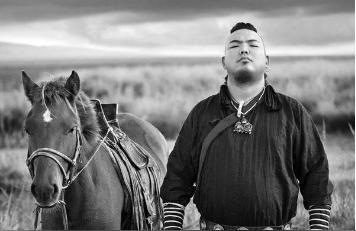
(242, 25)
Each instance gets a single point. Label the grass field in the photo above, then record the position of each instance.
(16, 204)
(164, 93)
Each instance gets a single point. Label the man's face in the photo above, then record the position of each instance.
(245, 60)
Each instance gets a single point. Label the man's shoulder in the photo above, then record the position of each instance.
(289, 100)
(291, 103)
(207, 104)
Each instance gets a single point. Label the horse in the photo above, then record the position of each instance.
(63, 137)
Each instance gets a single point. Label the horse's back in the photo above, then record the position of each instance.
(145, 134)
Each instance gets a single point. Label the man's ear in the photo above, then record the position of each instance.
(267, 69)
(267, 61)
(29, 86)
(223, 62)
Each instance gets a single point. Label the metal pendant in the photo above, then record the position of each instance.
(243, 126)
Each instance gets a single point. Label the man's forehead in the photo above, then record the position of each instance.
(243, 35)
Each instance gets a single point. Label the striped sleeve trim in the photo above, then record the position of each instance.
(173, 205)
(172, 227)
(171, 211)
(314, 227)
(173, 215)
(319, 216)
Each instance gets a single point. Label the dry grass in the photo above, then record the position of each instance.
(165, 93)
(16, 203)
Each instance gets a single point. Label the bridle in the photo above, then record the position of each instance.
(68, 176)
(53, 154)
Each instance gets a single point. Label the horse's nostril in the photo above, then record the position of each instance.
(55, 189)
(33, 190)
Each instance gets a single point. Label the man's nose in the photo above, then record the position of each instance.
(244, 50)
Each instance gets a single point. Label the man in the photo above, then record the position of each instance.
(245, 152)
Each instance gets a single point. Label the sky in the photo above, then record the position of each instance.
(93, 29)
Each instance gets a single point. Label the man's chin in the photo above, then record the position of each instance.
(244, 77)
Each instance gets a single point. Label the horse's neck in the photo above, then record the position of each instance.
(96, 196)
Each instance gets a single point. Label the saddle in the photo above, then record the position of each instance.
(137, 170)
(107, 117)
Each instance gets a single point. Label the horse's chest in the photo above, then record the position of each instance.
(96, 219)
(98, 212)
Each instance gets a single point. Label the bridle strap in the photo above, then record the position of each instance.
(92, 157)
(64, 212)
(49, 153)
(62, 204)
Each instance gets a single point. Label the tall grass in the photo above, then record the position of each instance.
(16, 210)
(16, 202)
(164, 94)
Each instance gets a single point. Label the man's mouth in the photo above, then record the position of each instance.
(244, 59)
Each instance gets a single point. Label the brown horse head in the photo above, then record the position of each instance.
(60, 120)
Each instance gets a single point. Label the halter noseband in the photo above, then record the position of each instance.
(52, 153)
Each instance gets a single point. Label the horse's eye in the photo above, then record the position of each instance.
(72, 129)
(26, 131)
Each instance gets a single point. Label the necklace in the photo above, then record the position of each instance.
(244, 126)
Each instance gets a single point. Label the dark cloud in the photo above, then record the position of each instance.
(160, 10)
(290, 30)
(313, 30)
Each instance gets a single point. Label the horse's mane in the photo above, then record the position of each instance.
(54, 91)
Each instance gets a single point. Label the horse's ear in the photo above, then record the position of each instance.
(29, 86)
(73, 85)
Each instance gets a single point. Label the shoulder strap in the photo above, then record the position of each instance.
(221, 126)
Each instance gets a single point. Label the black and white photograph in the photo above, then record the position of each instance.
(177, 114)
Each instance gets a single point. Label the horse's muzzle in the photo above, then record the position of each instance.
(46, 195)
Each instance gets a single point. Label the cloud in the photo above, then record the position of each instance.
(131, 11)
(100, 32)
(312, 30)
(108, 28)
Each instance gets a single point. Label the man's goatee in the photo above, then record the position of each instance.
(243, 77)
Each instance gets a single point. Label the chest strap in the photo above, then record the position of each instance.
(221, 126)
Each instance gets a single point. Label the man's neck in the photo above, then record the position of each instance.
(245, 92)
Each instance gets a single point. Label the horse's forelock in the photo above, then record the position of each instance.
(52, 92)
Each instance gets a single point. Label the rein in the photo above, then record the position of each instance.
(68, 177)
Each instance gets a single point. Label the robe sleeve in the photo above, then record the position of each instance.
(178, 184)
(310, 162)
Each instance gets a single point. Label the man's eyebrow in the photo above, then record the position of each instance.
(248, 41)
